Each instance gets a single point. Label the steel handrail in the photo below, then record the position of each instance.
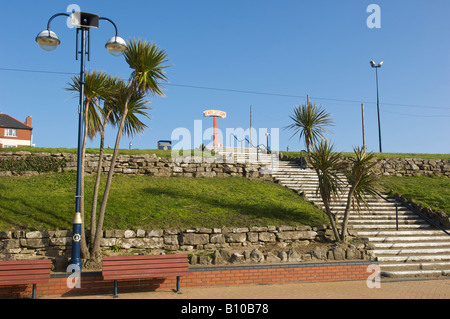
(413, 209)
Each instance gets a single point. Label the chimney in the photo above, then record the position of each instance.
(28, 121)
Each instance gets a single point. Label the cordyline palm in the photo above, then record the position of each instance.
(362, 180)
(95, 88)
(106, 113)
(327, 164)
(137, 106)
(310, 121)
(147, 62)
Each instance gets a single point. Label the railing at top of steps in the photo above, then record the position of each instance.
(258, 147)
(396, 201)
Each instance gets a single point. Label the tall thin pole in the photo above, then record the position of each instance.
(378, 109)
(250, 127)
(363, 130)
(77, 221)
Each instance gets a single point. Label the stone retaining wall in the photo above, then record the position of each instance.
(400, 166)
(150, 164)
(205, 245)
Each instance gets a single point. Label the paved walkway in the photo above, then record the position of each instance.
(400, 289)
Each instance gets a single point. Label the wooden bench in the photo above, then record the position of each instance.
(25, 272)
(144, 266)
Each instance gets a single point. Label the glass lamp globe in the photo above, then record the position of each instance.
(47, 40)
(116, 46)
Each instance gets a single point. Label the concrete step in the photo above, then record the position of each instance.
(410, 251)
(416, 273)
(395, 245)
(380, 222)
(406, 239)
(416, 249)
(403, 233)
(390, 227)
(412, 258)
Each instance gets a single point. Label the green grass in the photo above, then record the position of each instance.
(424, 190)
(46, 202)
(385, 155)
(159, 153)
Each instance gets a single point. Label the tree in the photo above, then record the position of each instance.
(310, 121)
(362, 180)
(111, 111)
(360, 177)
(328, 165)
(95, 88)
(147, 62)
(107, 112)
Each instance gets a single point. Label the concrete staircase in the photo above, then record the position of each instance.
(248, 155)
(416, 249)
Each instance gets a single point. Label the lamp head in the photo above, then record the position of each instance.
(47, 40)
(380, 64)
(116, 46)
(372, 63)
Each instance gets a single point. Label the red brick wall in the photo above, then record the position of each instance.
(225, 276)
(21, 134)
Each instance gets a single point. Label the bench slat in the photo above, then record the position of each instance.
(142, 265)
(145, 257)
(142, 275)
(22, 267)
(146, 271)
(23, 272)
(145, 266)
(30, 279)
(17, 272)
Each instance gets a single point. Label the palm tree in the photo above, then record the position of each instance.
(95, 87)
(360, 177)
(311, 122)
(137, 106)
(147, 62)
(362, 180)
(106, 113)
(327, 164)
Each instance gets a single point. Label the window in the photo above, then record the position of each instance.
(12, 132)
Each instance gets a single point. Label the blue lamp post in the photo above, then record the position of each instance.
(48, 41)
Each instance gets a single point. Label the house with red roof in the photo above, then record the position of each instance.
(14, 133)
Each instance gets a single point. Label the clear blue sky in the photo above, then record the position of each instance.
(286, 49)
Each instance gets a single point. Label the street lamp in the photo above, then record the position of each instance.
(48, 40)
(375, 66)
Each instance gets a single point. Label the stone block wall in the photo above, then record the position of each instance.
(205, 245)
(150, 164)
(400, 166)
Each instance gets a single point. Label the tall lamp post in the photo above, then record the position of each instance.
(48, 41)
(376, 66)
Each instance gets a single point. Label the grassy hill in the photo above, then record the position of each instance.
(46, 202)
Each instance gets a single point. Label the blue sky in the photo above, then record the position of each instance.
(279, 50)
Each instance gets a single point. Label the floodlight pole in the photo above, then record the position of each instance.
(378, 110)
(375, 66)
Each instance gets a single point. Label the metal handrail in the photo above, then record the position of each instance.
(413, 209)
(258, 147)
